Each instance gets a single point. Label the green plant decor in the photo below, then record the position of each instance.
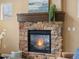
(52, 11)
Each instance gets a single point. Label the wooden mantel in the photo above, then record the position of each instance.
(35, 17)
(32, 17)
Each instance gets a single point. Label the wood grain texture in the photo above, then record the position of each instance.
(39, 17)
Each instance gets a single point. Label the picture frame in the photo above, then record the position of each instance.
(6, 11)
(37, 6)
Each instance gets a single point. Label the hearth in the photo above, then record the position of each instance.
(39, 41)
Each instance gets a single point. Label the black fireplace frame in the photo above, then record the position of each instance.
(43, 32)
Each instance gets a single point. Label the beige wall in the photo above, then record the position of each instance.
(12, 39)
(58, 4)
(71, 38)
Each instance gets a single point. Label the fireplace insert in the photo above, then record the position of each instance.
(39, 41)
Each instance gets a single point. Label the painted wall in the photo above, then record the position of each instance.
(58, 4)
(12, 27)
(71, 38)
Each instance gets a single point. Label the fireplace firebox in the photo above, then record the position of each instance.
(39, 41)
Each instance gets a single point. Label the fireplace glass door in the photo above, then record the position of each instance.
(39, 41)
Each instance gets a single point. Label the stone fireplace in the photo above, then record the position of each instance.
(56, 37)
(39, 36)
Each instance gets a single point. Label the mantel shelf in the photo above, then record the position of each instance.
(35, 17)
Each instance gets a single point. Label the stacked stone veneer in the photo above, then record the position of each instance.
(56, 37)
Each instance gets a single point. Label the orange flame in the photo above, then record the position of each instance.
(40, 42)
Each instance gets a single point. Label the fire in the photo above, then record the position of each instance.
(40, 42)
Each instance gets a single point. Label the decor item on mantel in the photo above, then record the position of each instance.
(52, 11)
